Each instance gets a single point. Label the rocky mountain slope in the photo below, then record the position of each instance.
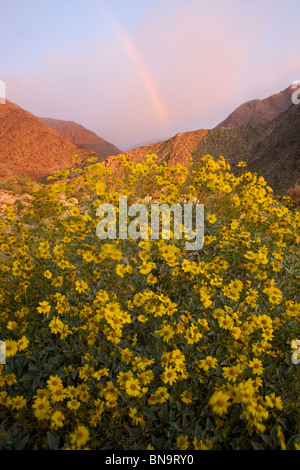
(257, 111)
(271, 149)
(82, 137)
(28, 147)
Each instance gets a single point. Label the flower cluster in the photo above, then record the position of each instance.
(141, 344)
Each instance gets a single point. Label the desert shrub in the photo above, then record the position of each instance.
(142, 344)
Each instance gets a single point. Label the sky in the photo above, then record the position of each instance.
(135, 72)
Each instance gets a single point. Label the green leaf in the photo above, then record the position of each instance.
(52, 441)
(27, 377)
(35, 384)
(108, 446)
(157, 442)
(257, 445)
(60, 372)
(150, 413)
(102, 357)
(282, 421)
(267, 438)
(21, 444)
(209, 424)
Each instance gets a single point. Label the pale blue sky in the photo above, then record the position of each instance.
(133, 71)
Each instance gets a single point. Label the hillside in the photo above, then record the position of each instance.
(30, 148)
(177, 149)
(257, 111)
(271, 149)
(82, 137)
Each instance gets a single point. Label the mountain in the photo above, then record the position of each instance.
(145, 143)
(257, 111)
(82, 137)
(271, 149)
(30, 148)
(177, 149)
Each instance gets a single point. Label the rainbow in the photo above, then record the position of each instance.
(140, 65)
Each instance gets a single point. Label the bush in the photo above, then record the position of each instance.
(142, 344)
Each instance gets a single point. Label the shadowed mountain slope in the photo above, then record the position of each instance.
(82, 137)
(272, 149)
